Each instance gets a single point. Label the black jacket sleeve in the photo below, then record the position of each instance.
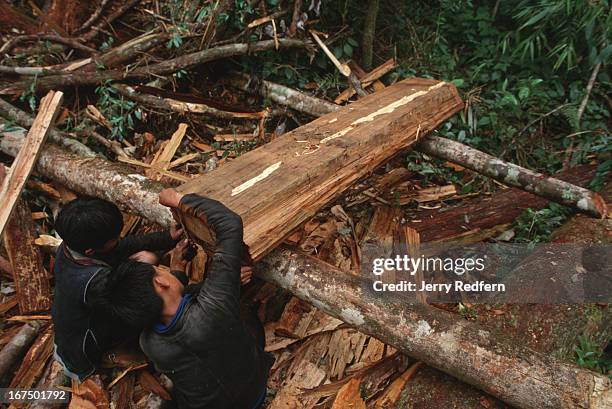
(134, 243)
(222, 284)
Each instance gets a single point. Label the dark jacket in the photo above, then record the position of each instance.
(208, 352)
(83, 327)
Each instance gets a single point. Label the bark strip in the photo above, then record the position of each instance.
(550, 188)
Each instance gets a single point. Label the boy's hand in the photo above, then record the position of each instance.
(178, 262)
(170, 197)
(176, 231)
(246, 273)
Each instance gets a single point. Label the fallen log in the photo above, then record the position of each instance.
(183, 107)
(16, 348)
(513, 175)
(550, 188)
(166, 67)
(473, 354)
(464, 349)
(287, 96)
(21, 118)
(278, 186)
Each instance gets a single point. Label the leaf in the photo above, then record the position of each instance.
(348, 50)
(523, 93)
(458, 82)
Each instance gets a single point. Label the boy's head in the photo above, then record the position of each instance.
(89, 225)
(142, 292)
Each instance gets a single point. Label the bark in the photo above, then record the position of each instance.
(162, 68)
(33, 364)
(91, 34)
(468, 351)
(21, 118)
(471, 353)
(94, 16)
(54, 38)
(28, 70)
(297, 15)
(127, 51)
(369, 29)
(477, 219)
(11, 18)
(12, 352)
(509, 174)
(51, 379)
(183, 107)
(287, 96)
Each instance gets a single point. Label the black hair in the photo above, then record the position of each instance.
(132, 296)
(88, 223)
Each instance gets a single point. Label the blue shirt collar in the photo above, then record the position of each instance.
(162, 328)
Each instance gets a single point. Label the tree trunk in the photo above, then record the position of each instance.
(63, 139)
(471, 353)
(369, 30)
(513, 175)
(463, 349)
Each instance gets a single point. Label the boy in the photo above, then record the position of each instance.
(84, 324)
(201, 340)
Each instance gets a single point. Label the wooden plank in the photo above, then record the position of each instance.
(30, 277)
(280, 185)
(25, 160)
(163, 157)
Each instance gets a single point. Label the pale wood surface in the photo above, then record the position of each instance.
(25, 160)
(278, 186)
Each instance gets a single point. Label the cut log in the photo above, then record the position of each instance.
(25, 160)
(16, 348)
(509, 174)
(278, 186)
(472, 353)
(466, 350)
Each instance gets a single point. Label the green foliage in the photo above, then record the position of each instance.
(588, 355)
(30, 95)
(469, 313)
(121, 113)
(107, 44)
(562, 31)
(536, 226)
